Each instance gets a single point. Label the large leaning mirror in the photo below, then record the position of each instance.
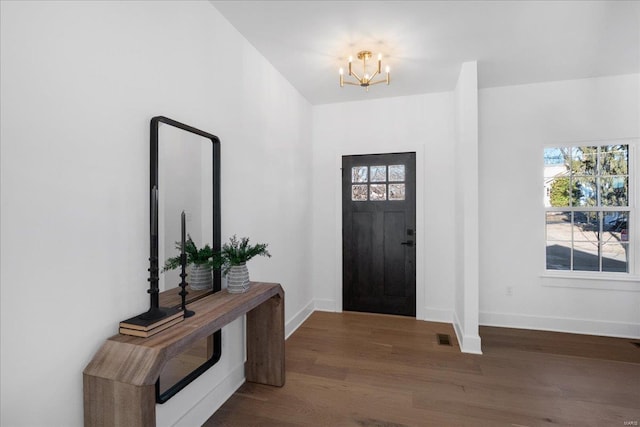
(184, 189)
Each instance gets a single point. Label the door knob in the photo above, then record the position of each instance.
(407, 243)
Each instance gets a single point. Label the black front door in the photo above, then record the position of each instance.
(378, 233)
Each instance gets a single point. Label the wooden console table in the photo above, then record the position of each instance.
(119, 382)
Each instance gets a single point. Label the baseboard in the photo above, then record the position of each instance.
(298, 319)
(561, 324)
(472, 344)
(206, 407)
(325, 305)
(438, 315)
(468, 343)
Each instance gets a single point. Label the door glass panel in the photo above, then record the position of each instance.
(378, 192)
(378, 173)
(396, 173)
(359, 192)
(396, 191)
(359, 174)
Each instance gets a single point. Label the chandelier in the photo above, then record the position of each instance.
(367, 79)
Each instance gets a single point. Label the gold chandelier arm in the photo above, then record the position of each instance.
(378, 82)
(373, 75)
(356, 75)
(351, 83)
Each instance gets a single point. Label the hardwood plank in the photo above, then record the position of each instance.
(358, 369)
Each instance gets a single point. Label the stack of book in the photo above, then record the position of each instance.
(140, 327)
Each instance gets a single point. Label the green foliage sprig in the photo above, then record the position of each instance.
(197, 256)
(237, 252)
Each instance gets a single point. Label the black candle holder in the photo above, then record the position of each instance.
(155, 312)
(183, 284)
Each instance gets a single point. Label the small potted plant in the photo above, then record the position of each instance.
(199, 261)
(232, 259)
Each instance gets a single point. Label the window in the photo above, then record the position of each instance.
(377, 183)
(587, 208)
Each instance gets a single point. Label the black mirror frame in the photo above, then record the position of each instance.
(153, 258)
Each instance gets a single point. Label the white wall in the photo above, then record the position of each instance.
(80, 82)
(516, 122)
(421, 123)
(466, 304)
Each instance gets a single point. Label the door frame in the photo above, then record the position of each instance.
(419, 149)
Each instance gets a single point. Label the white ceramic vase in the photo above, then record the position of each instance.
(200, 277)
(238, 279)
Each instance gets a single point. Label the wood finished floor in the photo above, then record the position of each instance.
(356, 369)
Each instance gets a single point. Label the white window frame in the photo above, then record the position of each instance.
(628, 281)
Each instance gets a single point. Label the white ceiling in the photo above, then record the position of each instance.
(425, 42)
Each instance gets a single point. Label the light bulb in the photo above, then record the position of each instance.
(379, 56)
(341, 71)
(387, 69)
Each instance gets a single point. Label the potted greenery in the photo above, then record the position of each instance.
(232, 259)
(199, 261)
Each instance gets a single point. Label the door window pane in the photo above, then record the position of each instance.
(359, 174)
(378, 173)
(378, 192)
(396, 173)
(359, 192)
(396, 191)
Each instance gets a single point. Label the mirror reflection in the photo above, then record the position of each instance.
(185, 364)
(185, 184)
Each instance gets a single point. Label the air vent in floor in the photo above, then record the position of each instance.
(443, 339)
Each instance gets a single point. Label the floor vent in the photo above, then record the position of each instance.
(636, 343)
(443, 339)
